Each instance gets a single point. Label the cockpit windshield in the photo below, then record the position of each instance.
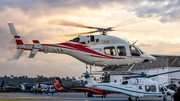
(76, 39)
(134, 51)
(139, 49)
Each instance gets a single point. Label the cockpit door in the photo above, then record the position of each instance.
(162, 89)
(135, 55)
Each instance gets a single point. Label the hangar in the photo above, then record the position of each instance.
(163, 63)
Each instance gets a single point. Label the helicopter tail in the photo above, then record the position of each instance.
(2, 84)
(90, 79)
(19, 42)
(59, 86)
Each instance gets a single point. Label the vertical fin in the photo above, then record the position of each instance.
(19, 42)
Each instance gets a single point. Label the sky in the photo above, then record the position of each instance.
(162, 17)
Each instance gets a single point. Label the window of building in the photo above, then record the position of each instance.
(134, 51)
(121, 51)
(147, 88)
(153, 88)
(110, 50)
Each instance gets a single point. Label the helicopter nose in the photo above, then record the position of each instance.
(152, 58)
(148, 57)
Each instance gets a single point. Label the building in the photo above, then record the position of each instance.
(163, 63)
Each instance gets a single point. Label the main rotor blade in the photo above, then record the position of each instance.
(136, 31)
(163, 73)
(130, 22)
(68, 23)
(76, 34)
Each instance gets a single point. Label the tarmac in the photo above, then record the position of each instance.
(69, 97)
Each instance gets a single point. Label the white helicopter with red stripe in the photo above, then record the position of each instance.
(99, 50)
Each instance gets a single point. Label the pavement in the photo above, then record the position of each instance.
(69, 97)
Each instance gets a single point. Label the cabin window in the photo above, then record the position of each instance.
(147, 88)
(153, 88)
(52, 88)
(76, 39)
(125, 82)
(134, 51)
(121, 51)
(140, 87)
(110, 50)
(97, 40)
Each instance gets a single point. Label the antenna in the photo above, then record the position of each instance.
(126, 39)
(64, 39)
(135, 42)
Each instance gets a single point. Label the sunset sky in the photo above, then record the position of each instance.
(160, 16)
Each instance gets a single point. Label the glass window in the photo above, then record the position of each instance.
(139, 50)
(125, 82)
(134, 51)
(140, 87)
(162, 88)
(52, 88)
(76, 39)
(147, 88)
(110, 50)
(153, 88)
(121, 51)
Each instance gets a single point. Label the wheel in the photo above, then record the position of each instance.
(89, 95)
(164, 99)
(129, 99)
(103, 96)
(137, 98)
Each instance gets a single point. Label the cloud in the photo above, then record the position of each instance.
(28, 16)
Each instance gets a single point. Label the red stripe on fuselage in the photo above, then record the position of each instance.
(83, 49)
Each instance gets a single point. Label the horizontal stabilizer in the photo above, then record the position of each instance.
(18, 54)
(36, 48)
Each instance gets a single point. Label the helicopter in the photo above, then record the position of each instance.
(137, 86)
(96, 50)
(59, 86)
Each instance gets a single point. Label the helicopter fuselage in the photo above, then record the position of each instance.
(101, 50)
(98, 50)
(133, 87)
